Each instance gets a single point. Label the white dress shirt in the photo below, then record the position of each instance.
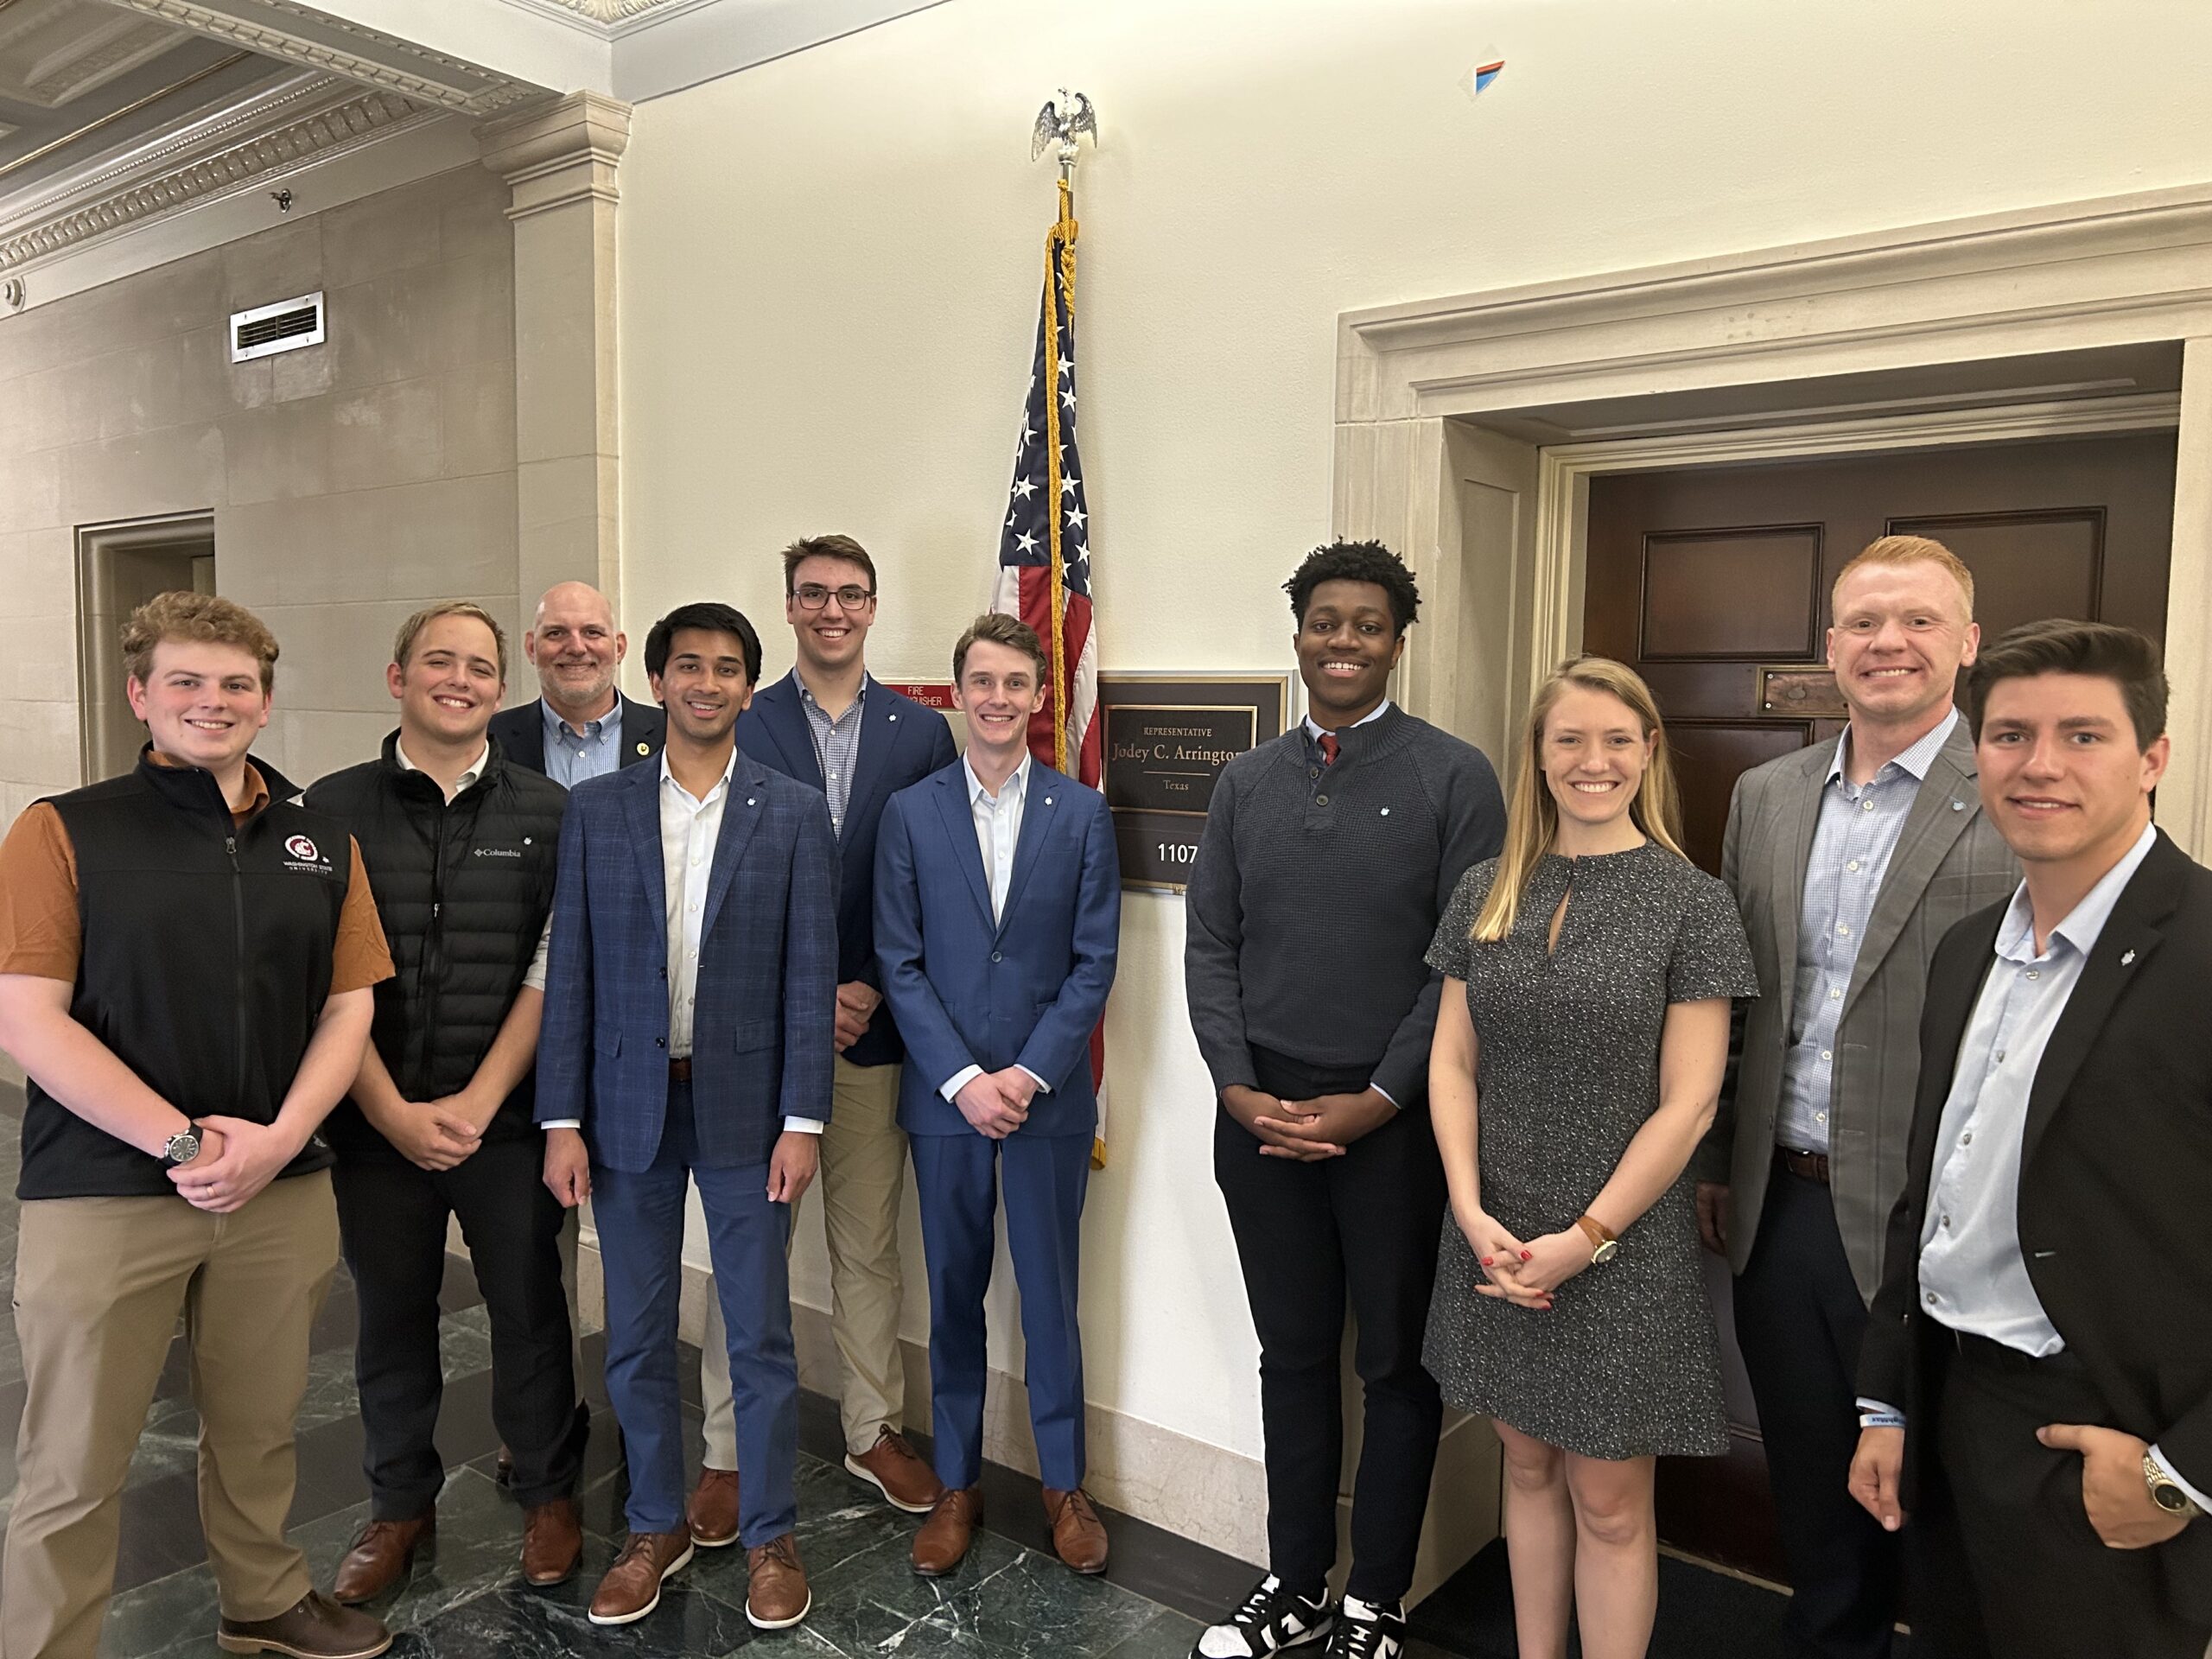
(533, 979)
(1973, 1276)
(690, 830)
(998, 832)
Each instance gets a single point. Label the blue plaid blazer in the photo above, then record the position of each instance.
(763, 1024)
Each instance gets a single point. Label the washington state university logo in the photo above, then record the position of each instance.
(303, 850)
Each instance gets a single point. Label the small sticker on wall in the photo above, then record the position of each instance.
(1479, 80)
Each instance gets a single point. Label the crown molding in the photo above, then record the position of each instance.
(436, 80)
(312, 118)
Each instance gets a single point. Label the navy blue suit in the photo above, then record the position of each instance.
(902, 742)
(762, 1032)
(1027, 989)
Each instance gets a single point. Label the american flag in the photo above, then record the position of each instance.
(1044, 575)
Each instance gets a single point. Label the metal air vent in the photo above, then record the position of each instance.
(285, 327)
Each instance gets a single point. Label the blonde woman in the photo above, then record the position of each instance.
(1577, 1059)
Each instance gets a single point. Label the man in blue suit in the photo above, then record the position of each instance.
(689, 1006)
(834, 728)
(998, 913)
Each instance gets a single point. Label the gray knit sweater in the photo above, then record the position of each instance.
(1317, 892)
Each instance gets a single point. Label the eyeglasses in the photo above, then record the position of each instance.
(812, 596)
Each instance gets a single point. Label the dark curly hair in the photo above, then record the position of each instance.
(1356, 561)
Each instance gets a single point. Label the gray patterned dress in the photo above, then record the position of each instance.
(1626, 1363)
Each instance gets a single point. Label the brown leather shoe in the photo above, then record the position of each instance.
(552, 1542)
(632, 1587)
(776, 1596)
(713, 1508)
(944, 1537)
(1078, 1536)
(893, 1468)
(380, 1558)
(316, 1628)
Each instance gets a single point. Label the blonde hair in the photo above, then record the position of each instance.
(1909, 549)
(403, 646)
(1532, 820)
(204, 618)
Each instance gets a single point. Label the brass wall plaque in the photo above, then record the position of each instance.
(1798, 692)
(1166, 738)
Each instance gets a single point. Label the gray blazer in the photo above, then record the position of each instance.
(1948, 863)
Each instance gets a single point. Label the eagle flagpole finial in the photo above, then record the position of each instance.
(1061, 122)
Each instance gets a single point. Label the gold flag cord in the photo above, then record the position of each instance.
(1059, 290)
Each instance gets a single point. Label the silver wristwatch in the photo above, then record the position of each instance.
(182, 1148)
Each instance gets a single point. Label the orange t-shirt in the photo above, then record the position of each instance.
(40, 934)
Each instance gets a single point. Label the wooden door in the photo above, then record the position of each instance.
(1713, 583)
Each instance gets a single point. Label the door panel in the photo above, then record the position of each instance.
(1702, 578)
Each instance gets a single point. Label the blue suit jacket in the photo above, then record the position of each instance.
(763, 1021)
(902, 742)
(1028, 991)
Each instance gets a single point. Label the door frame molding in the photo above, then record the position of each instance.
(1416, 380)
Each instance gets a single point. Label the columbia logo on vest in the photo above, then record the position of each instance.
(496, 852)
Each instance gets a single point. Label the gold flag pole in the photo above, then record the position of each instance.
(1058, 126)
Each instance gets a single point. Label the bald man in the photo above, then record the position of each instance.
(580, 726)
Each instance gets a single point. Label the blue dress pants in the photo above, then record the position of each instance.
(640, 1218)
(957, 1178)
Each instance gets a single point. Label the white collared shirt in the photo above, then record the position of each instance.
(1379, 709)
(690, 830)
(998, 832)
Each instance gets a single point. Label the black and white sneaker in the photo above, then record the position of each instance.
(1273, 1618)
(1368, 1630)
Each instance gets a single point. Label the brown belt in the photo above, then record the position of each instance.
(1810, 1166)
(680, 1071)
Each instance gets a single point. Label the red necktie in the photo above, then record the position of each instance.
(1329, 746)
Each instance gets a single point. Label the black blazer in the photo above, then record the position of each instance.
(902, 742)
(2115, 1176)
(521, 732)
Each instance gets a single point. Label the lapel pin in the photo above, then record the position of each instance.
(1385, 811)
(1958, 806)
(1048, 800)
(644, 748)
(894, 716)
(2126, 957)
(748, 800)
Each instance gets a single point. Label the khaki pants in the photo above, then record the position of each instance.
(99, 1283)
(863, 1173)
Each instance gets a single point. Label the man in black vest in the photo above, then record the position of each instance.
(184, 965)
(460, 850)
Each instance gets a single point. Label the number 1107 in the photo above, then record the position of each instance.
(1179, 852)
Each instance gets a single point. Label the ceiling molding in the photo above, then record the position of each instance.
(445, 82)
(607, 12)
(313, 119)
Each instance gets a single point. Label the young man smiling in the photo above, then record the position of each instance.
(186, 960)
(1848, 862)
(1329, 857)
(2035, 1381)
(689, 1011)
(998, 909)
(834, 728)
(461, 848)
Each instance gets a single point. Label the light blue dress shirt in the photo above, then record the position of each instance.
(1856, 831)
(998, 832)
(1973, 1276)
(837, 745)
(569, 758)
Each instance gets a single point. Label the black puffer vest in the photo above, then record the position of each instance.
(204, 965)
(463, 889)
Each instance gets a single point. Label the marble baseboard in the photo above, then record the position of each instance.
(1206, 1493)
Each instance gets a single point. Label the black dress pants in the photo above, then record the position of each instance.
(1800, 1322)
(1365, 1225)
(2005, 1564)
(391, 1218)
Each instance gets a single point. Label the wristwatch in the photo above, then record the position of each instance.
(2164, 1493)
(183, 1148)
(1603, 1246)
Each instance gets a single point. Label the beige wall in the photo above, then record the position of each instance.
(349, 480)
(829, 273)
